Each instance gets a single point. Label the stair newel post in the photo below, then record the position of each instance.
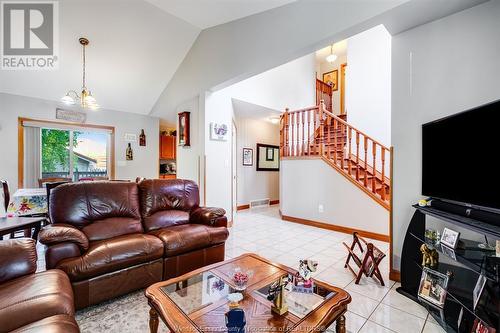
(286, 138)
(322, 115)
(357, 155)
(382, 156)
(349, 136)
(365, 147)
(374, 166)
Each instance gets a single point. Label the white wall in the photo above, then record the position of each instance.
(290, 85)
(306, 184)
(145, 163)
(368, 76)
(253, 184)
(438, 69)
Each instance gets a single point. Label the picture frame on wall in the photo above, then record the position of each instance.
(247, 156)
(433, 287)
(262, 161)
(450, 238)
(184, 125)
(332, 79)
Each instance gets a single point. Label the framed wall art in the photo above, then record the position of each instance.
(332, 79)
(268, 157)
(247, 156)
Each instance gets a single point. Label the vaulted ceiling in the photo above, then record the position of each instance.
(148, 55)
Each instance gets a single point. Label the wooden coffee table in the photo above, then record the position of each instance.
(9, 225)
(196, 302)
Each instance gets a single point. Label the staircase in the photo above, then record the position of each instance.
(315, 132)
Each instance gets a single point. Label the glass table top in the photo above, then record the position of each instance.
(204, 289)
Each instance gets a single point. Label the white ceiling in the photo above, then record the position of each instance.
(339, 49)
(208, 13)
(134, 51)
(244, 109)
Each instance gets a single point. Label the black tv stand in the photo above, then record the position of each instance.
(466, 263)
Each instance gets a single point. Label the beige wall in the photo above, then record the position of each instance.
(145, 163)
(307, 184)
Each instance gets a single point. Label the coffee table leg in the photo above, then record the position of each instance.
(153, 321)
(340, 325)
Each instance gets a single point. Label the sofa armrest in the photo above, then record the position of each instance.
(17, 258)
(211, 216)
(63, 233)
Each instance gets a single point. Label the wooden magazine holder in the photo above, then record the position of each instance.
(367, 265)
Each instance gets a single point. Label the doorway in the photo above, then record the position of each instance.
(234, 168)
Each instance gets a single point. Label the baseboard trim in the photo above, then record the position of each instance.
(395, 275)
(333, 227)
(243, 207)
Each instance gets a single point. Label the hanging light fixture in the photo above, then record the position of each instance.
(85, 99)
(331, 57)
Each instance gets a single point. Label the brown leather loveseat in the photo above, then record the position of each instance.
(29, 302)
(114, 237)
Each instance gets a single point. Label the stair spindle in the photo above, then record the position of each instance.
(303, 133)
(329, 134)
(287, 139)
(342, 145)
(314, 127)
(308, 116)
(335, 143)
(349, 166)
(365, 147)
(357, 155)
(382, 156)
(321, 130)
(374, 166)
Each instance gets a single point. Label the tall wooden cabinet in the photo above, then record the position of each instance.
(167, 147)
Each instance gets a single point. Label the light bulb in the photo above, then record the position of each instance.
(331, 58)
(89, 99)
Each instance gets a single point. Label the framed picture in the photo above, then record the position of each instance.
(448, 252)
(218, 132)
(332, 79)
(478, 290)
(248, 156)
(433, 286)
(184, 135)
(264, 152)
(450, 238)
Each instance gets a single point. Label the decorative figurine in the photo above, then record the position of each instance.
(430, 258)
(306, 268)
(142, 138)
(233, 299)
(235, 320)
(276, 294)
(129, 153)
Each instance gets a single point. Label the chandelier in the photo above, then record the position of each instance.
(85, 98)
(332, 57)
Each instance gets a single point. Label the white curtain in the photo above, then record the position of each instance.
(32, 156)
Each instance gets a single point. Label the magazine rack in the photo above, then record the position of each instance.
(368, 264)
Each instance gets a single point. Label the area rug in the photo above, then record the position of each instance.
(129, 313)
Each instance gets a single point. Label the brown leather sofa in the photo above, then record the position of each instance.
(30, 302)
(115, 237)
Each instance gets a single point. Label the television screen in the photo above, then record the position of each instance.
(460, 157)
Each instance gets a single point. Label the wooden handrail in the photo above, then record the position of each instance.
(315, 131)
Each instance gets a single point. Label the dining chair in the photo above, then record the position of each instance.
(6, 196)
(50, 186)
(43, 181)
(89, 179)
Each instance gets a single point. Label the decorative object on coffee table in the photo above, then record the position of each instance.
(234, 300)
(235, 321)
(181, 301)
(240, 279)
(277, 295)
(368, 265)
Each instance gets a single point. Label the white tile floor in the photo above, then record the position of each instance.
(373, 308)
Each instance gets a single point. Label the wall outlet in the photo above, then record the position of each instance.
(321, 209)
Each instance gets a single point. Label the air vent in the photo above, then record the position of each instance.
(260, 203)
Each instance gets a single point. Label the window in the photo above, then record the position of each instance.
(75, 154)
(60, 150)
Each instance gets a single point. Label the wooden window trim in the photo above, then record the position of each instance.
(20, 140)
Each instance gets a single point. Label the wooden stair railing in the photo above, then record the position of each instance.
(316, 132)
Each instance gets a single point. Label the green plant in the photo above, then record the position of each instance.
(55, 149)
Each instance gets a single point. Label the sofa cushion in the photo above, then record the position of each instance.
(111, 255)
(101, 209)
(54, 324)
(17, 258)
(189, 237)
(34, 297)
(158, 195)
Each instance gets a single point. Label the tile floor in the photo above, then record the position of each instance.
(373, 308)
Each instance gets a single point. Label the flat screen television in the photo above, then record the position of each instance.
(460, 155)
